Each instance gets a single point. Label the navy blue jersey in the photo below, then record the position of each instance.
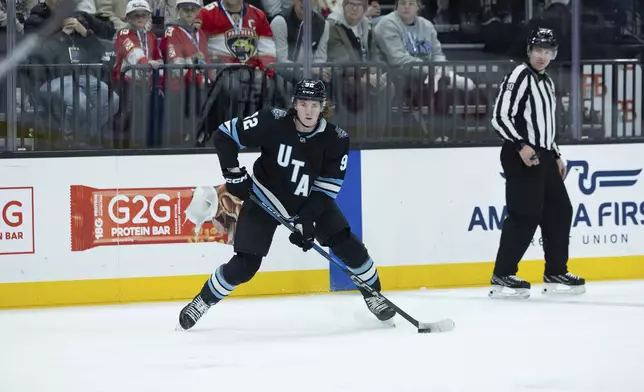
(292, 165)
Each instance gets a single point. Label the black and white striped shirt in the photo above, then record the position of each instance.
(524, 110)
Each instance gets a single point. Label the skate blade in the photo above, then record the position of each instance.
(562, 289)
(500, 292)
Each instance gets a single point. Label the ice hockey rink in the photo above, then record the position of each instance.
(329, 342)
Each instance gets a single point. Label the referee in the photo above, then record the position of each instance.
(524, 117)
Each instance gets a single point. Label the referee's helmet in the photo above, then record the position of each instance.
(543, 38)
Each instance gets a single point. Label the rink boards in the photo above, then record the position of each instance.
(132, 228)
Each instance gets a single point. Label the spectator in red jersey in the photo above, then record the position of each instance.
(237, 33)
(184, 44)
(135, 46)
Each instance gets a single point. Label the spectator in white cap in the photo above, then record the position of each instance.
(135, 44)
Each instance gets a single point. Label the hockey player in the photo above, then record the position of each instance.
(299, 174)
(524, 117)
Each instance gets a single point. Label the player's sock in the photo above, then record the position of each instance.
(563, 284)
(369, 274)
(214, 290)
(217, 288)
(509, 286)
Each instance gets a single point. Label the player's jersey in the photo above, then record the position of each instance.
(229, 41)
(291, 165)
(134, 47)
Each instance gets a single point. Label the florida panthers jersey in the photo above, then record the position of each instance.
(245, 37)
(291, 164)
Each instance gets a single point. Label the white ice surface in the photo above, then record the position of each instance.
(331, 343)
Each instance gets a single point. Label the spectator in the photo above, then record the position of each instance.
(115, 11)
(137, 46)
(237, 33)
(23, 8)
(350, 34)
(351, 40)
(183, 44)
(93, 107)
(269, 7)
(404, 37)
(171, 11)
(288, 34)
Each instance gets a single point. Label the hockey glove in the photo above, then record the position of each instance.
(303, 237)
(238, 182)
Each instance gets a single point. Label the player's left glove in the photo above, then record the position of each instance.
(303, 237)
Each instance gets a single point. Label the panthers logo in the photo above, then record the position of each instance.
(243, 45)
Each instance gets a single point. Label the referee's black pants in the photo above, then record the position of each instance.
(535, 196)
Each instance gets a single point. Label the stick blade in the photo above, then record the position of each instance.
(444, 325)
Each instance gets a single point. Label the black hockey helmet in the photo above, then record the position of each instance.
(543, 38)
(310, 89)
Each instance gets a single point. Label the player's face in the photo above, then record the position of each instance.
(188, 13)
(308, 112)
(540, 57)
(138, 19)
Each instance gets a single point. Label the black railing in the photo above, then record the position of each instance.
(424, 103)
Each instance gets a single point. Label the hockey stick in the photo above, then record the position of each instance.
(444, 325)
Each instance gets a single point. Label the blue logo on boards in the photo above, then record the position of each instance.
(588, 183)
(602, 213)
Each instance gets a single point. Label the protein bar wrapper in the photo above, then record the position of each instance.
(102, 217)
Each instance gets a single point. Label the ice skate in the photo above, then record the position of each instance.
(379, 307)
(509, 287)
(566, 284)
(192, 312)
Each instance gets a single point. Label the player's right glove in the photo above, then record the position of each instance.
(238, 182)
(303, 237)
